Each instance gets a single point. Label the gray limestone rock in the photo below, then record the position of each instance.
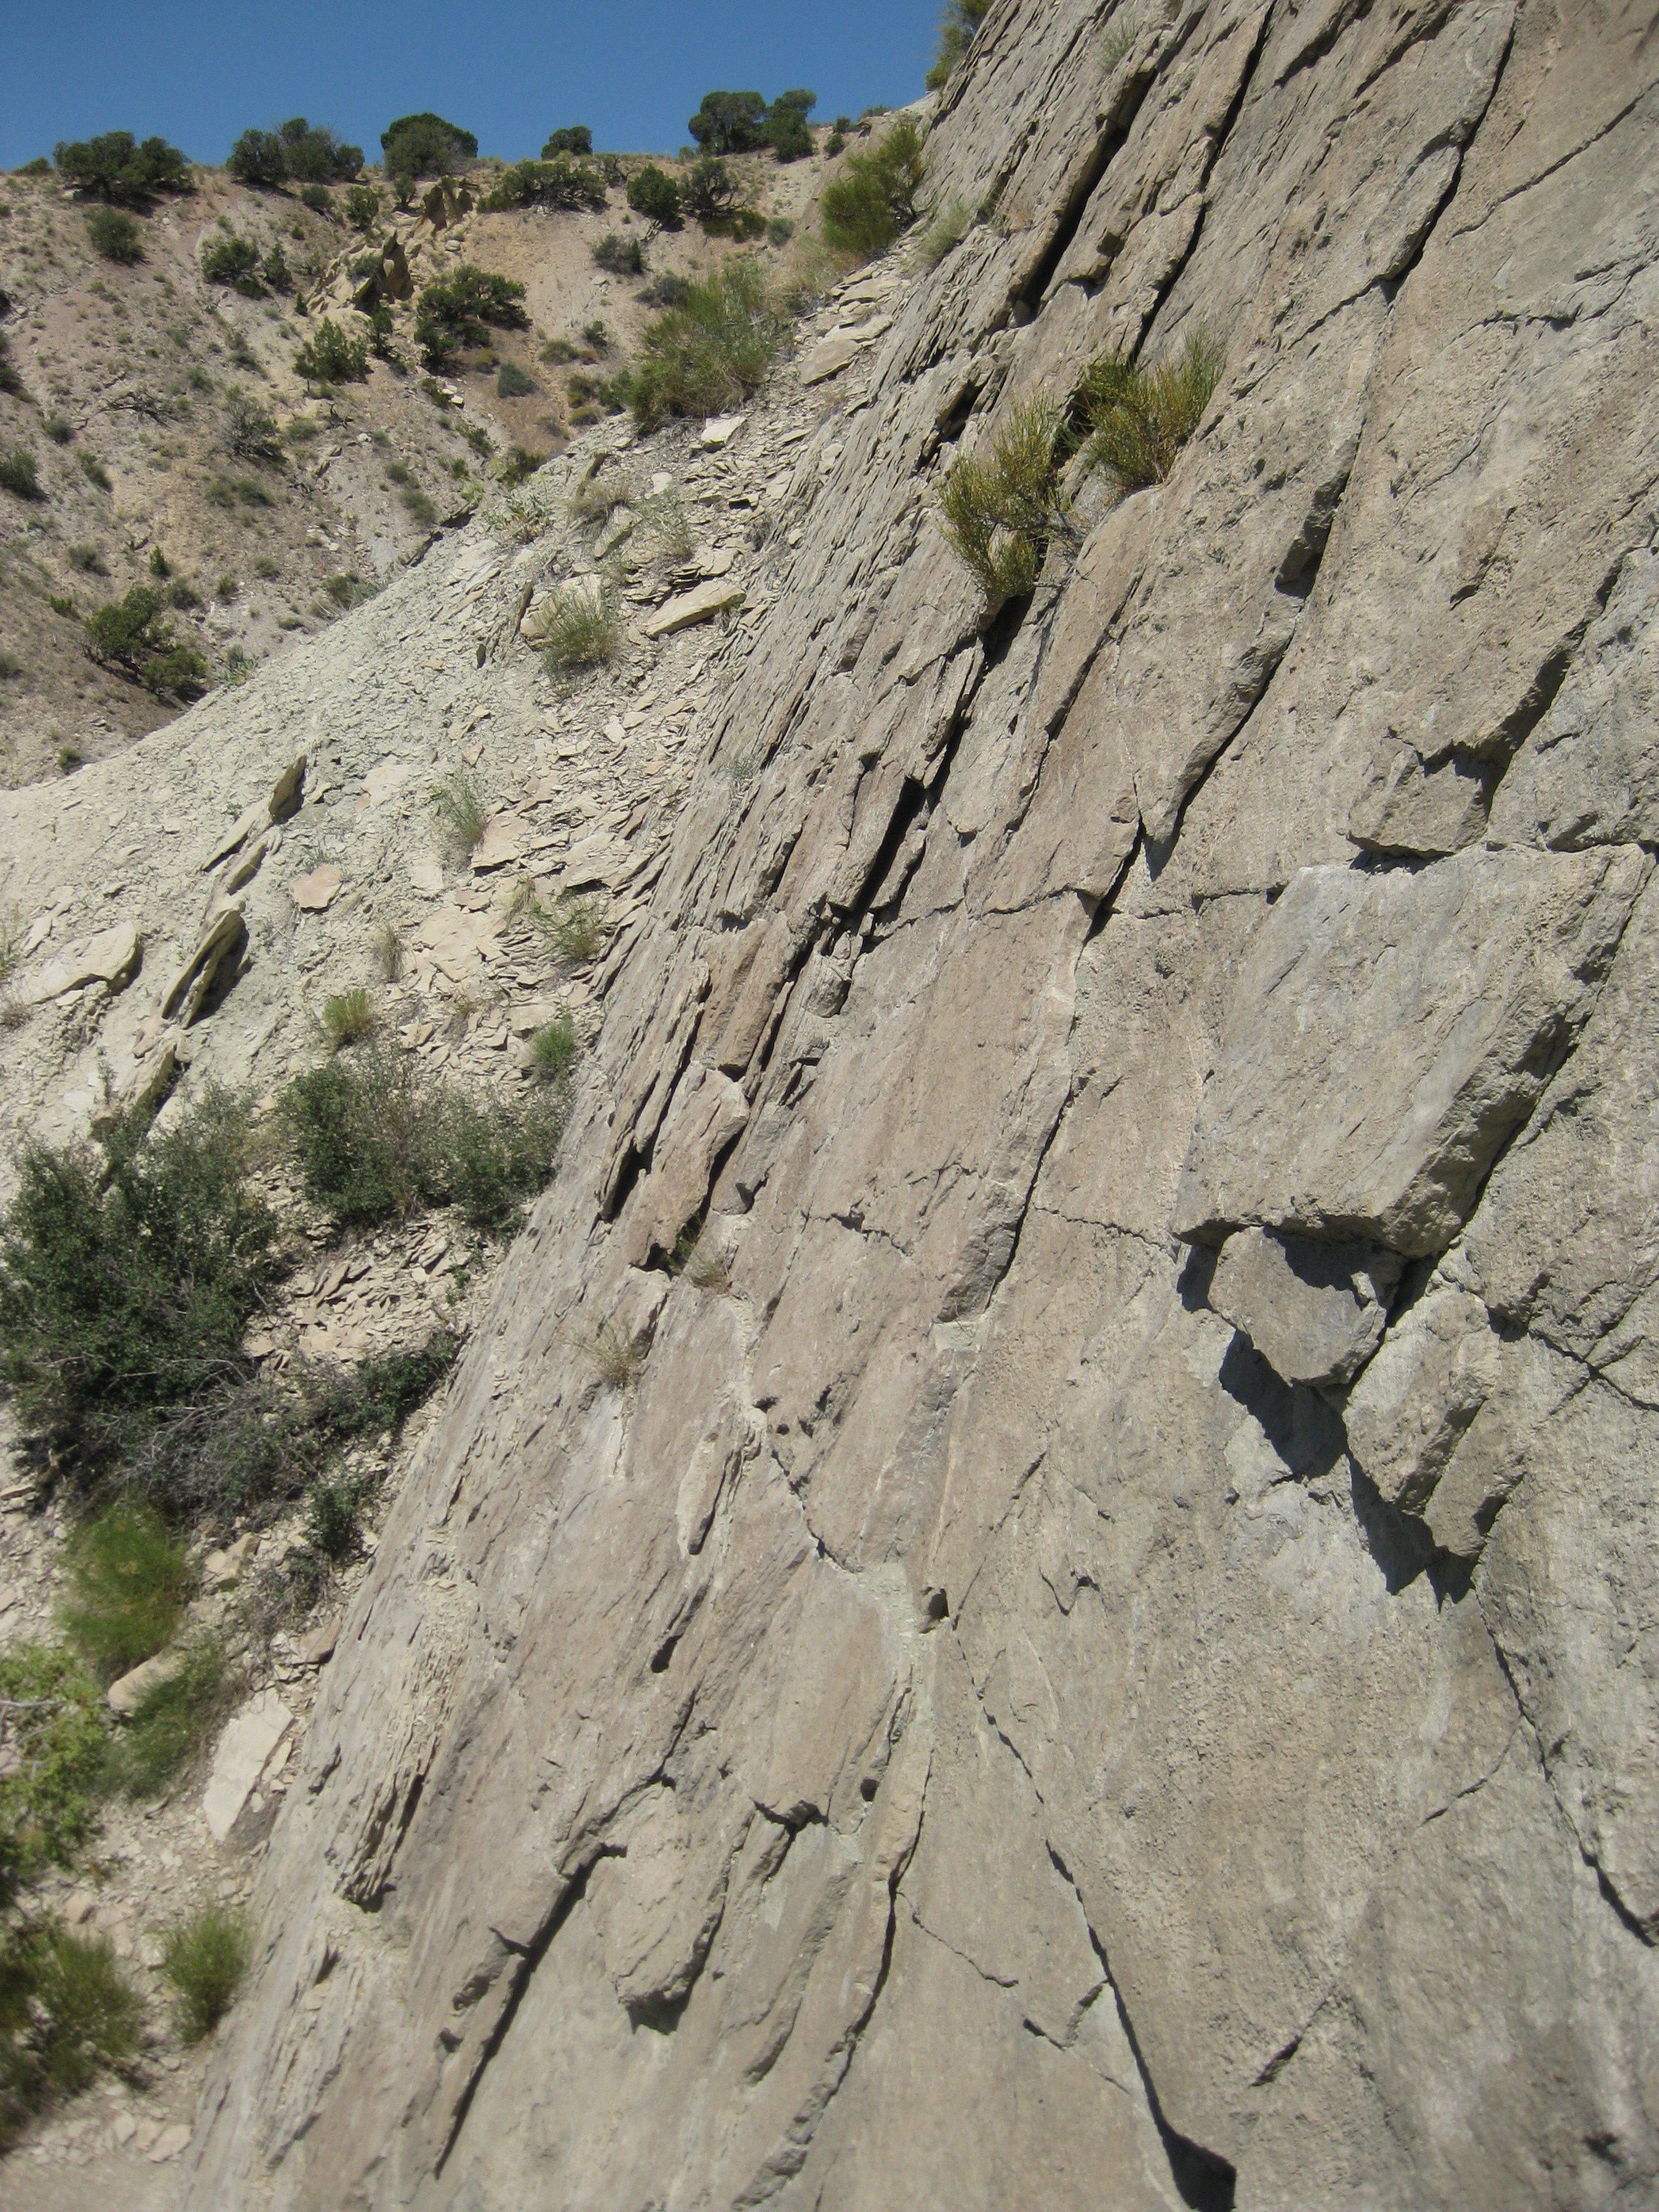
(1314, 1311)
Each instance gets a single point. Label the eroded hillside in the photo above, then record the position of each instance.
(1035, 1582)
(141, 386)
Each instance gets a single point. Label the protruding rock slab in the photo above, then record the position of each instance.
(1314, 1311)
(315, 893)
(244, 1748)
(130, 1690)
(1389, 1034)
(702, 604)
(109, 958)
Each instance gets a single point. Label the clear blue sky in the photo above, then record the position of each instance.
(198, 71)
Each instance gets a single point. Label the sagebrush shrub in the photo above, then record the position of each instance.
(17, 474)
(115, 235)
(205, 1958)
(1139, 419)
(127, 1279)
(873, 198)
(1000, 510)
(623, 256)
(712, 349)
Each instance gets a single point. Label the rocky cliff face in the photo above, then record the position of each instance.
(1104, 1654)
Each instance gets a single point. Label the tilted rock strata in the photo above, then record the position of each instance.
(931, 1713)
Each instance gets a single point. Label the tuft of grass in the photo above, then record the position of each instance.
(173, 1722)
(373, 1141)
(51, 1761)
(1139, 419)
(615, 1355)
(462, 808)
(511, 382)
(665, 519)
(348, 1017)
(388, 953)
(572, 928)
(712, 348)
(93, 469)
(205, 1958)
(949, 226)
(553, 1049)
(873, 198)
(59, 429)
(587, 631)
(1000, 511)
(1118, 37)
(131, 1583)
(88, 560)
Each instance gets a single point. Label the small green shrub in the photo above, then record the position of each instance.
(1000, 512)
(780, 230)
(873, 198)
(418, 506)
(59, 429)
(127, 1279)
(173, 1721)
(623, 256)
(129, 1584)
(69, 758)
(115, 168)
(66, 2011)
(371, 1141)
(586, 630)
(570, 138)
(512, 383)
(348, 1017)
(274, 270)
(10, 382)
(333, 1526)
(318, 198)
(250, 432)
(654, 194)
(1119, 37)
(93, 469)
(462, 808)
(1139, 419)
(205, 1958)
(710, 190)
(362, 208)
(233, 261)
(131, 634)
(10, 666)
(54, 1745)
(517, 463)
(553, 1049)
(455, 311)
(183, 594)
(712, 349)
(115, 235)
(834, 144)
(17, 474)
(88, 560)
(331, 355)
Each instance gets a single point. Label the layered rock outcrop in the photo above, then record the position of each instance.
(1098, 1646)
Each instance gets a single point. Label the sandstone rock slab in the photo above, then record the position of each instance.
(1314, 1311)
(702, 604)
(249, 1738)
(315, 893)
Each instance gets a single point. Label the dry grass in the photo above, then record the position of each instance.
(388, 953)
(618, 1358)
(463, 809)
(587, 631)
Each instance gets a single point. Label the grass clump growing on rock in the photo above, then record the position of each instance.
(1139, 419)
(553, 1049)
(205, 1958)
(572, 928)
(463, 809)
(586, 630)
(131, 1583)
(348, 1017)
(172, 1723)
(1000, 510)
(710, 351)
(873, 199)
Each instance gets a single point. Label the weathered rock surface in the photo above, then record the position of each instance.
(1105, 1652)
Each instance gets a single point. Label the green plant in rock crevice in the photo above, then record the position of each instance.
(130, 1582)
(1139, 419)
(1001, 507)
(462, 808)
(205, 1958)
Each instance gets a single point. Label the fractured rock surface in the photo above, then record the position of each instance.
(1093, 1644)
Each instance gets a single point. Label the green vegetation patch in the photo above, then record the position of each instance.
(712, 349)
(873, 199)
(53, 1742)
(130, 1582)
(205, 1958)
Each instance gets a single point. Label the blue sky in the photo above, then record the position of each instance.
(199, 71)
